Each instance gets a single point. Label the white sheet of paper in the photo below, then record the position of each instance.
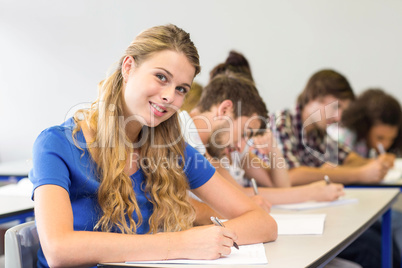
(247, 254)
(315, 204)
(300, 224)
(22, 188)
(395, 173)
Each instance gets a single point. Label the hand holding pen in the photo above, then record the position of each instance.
(327, 180)
(259, 200)
(386, 159)
(255, 188)
(217, 222)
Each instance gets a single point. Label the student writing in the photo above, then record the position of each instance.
(110, 184)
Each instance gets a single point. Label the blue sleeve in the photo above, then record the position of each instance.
(197, 168)
(51, 153)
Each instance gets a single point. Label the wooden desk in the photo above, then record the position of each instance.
(342, 226)
(15, 208)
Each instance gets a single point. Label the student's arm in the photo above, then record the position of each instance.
(258, 199)
(372, 172)
(256, 168)
(276, 173)
(65, 247)
(203, 213)
(317, 191)
(355, 160)
(250, 223)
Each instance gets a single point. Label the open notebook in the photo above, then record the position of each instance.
(247, 254)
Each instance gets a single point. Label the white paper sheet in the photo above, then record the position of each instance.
(22, 188)
(300, 224)
(395, 173)
(247, 254)
(315, 204)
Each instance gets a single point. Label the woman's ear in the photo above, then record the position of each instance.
(225, 108)
(127, 65)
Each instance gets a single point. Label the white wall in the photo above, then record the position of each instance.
(53, 53)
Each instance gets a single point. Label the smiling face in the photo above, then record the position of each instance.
(155, 89)
(381, 133)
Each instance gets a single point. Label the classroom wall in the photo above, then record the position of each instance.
(53, 53)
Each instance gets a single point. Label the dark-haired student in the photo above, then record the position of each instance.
(370, 126)
(311, 153)
(373, 121)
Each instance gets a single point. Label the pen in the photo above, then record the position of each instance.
(217, 222)
(254, 183)
(380, 148)
(326, 178)
(249, 143)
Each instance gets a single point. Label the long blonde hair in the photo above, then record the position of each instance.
(166, 184)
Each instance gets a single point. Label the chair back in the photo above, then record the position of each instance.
(21, 246)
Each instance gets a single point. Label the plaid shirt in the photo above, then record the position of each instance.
(300, 149)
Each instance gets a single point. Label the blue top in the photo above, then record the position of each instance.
(58, 161)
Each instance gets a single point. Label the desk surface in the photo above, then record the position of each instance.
(343, 225)
(13, 205)
(15, 168)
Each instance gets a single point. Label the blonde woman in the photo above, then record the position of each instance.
(110, 183)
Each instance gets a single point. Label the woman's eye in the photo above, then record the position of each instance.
(161, 77)
(181, 90)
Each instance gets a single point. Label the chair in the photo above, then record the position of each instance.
(21, 246)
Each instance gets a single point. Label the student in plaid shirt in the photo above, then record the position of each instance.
(309, 152)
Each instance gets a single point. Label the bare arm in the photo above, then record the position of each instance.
(258, 199)
(276, 169)
(355, 160)
(318, 191)
(229, 201)
(372, 172)
(273, 175)
(65, 247)
(203, 213)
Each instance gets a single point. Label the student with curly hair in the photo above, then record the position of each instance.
(372, 121)
(110, 184)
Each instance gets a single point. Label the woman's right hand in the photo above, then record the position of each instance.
(326, 192)
(206, 242)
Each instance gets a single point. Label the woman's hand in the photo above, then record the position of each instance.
(206, 242)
